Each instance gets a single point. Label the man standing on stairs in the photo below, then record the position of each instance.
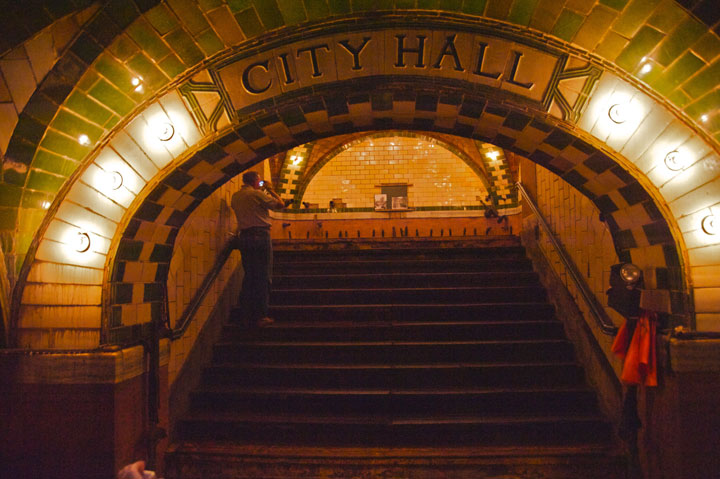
(251, 205)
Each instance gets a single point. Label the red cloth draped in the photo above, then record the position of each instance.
(640, 366)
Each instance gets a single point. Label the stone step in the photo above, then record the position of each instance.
(360, 375)
(370, 295)
(397, 331)
(403, 266)
(389, 352)
(491, 311)
(408, 430)
(516, 402)
(358, 254)
(404, 280)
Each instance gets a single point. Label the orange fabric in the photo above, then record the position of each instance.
(640, 366)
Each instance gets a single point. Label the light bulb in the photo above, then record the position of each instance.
(114, 179)
(675, 160)
(84, 140)
(710, 225)
(82, 242)
(618, 113)
(164, 131)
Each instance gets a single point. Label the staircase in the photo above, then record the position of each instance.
(414, 361)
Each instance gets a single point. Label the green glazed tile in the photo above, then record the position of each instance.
(52, 163)
(616, 4)
(88, 108)
(239, 5)
(315, 9)
(595, 27)
(567, 25)
(35, 199)
(404, 4)
(634, 16)
(679, 98)
(8, 218)
(112, 98)
(452, 5)
(123, 48)
(679, 40)
(115, 72)
(111, 122)
(10, 195)
(708, 47)
(705, 81)
(161, 19)
(681, 70)
(42, 109)
(707, 104)
(249, 23)
(474, 7)
(185, 48)
(424, 4)
(75, 126)
(546, 15)
(293, 12)
(88, 80)
(44, 182)
(122, 12)
(172, 66)
(643, 43)
(668, 16)
(269, 13)
(63, 145)
(209, 42)
(150, 73)
(190, 15)
(611, 46)
(338, 7)
(498, 9)
(522, 11)
(148, 39)
(206, 5)
(14, 177)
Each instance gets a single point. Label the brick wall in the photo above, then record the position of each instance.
(438, 177)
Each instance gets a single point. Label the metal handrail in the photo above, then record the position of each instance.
(189, 313)
(601, 317)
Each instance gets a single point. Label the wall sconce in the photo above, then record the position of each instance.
(618, 113)
(704, 118)
(114, 179)
(710, 225)
(84, 140)
(675, 160)
(82, 242)
(164, 131)
(45, 205)
(295, 160)
(493, 155)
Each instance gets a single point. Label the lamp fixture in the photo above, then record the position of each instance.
(164, 131)
(82, 242)
(675, 160)
(618, 113)
(84, 140)
(630, 273)
(295, 160)
(710, 225)
(646, 68)
(45, 205)
(704, 118)
(114, 179)
(493, 155)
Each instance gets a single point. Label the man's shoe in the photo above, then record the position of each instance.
(265, 322)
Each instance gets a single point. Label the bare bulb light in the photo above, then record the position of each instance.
(114, 180)
(84, 140)
(710, 225)
(164, 131)
(618, 113)
(82, 242)
(675, 160)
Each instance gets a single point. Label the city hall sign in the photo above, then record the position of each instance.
(516, 67)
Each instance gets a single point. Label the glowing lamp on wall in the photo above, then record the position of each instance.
(113, 180)
(710, 225)
(675, 160)
(84, 140)
(619, 113)
(164, 131)
(82, 242)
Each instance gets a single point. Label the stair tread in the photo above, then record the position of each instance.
(455, 365)
(385, 391)
(390, 343)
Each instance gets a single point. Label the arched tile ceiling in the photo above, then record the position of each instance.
(91, 92)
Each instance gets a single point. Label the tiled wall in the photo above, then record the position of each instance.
(575, 221)
(436, 175)
(199, 242)
(23, 68)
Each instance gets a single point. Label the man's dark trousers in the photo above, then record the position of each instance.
(256, 250)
